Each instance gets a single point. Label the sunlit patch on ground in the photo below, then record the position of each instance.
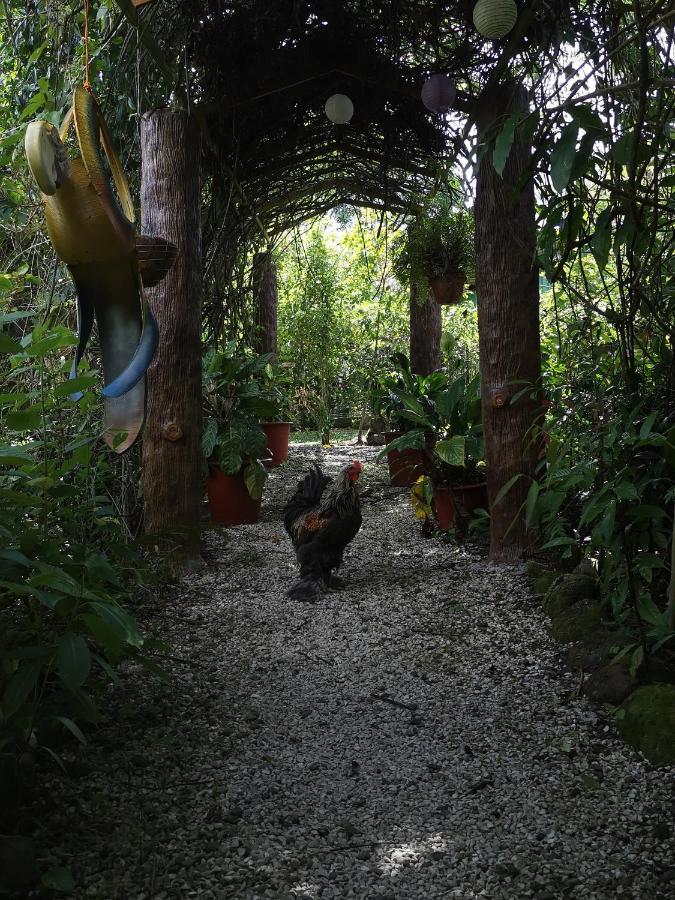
(305, 890)
(394, 860)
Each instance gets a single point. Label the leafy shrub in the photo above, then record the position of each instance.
(65, 569)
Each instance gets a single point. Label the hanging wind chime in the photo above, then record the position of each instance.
(94, 234)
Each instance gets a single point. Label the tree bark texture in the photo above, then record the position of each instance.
(507, 285)
(425, 333)
(264, 303)
(172, 458)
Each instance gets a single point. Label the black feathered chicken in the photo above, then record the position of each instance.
(322, 517)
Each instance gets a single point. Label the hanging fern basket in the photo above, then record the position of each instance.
(447, 289)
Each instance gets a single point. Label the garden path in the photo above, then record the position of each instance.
(414, 736)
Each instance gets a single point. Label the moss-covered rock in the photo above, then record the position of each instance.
(595, 649)
(573, 622)
(569, 590)
(611, 683)
(648, 723)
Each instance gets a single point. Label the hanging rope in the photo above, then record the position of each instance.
(87, 83)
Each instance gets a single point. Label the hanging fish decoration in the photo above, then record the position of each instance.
(93, 232)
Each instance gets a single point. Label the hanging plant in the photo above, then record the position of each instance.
(438, 252)
(494, 18)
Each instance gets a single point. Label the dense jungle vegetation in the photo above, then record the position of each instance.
(72, 560)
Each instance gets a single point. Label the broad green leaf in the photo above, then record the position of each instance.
(507, 487)
(73, 385)
(453, 450)
(647, 425)
(14, 456)
(561, 541)
(120, 621)
(636, 661)
(73, 660)
(72, 728)
(255, 476)
(531, 503)
(621, 150)
(587, 118)
(503, 144)
(626, 490)
(601, 242)
(25, 419)
(649, 611)
(562, 157)
(8, 344)
(110, 637)
(20, 686)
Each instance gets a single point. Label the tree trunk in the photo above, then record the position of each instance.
(507, 285)
(425, 333)
(172, 458)
(264, 303)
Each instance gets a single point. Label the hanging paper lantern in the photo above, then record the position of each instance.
(494, 18)
(339, 109)
(438, 93)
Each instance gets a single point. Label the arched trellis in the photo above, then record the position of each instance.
(261, 75)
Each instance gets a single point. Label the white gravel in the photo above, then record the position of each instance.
(271, 767)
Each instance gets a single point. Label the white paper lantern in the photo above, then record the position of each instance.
(438, 93)
(494, 18)
(339, 109)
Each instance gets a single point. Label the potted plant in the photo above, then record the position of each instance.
(439, 250)
(447, 434)
(455, 467)
(277, 427)
(234, 442)
(407, 403)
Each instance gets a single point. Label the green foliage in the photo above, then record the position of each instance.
(439, 242)
(340, 315)
(65, 569)
(439, 415)
(236, 398)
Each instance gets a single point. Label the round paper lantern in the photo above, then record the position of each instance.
(494, 18)
(438, 93)
(339, 109)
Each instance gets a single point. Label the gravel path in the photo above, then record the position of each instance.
(413, 736)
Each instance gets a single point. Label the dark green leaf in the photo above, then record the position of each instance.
(25, 419)
(73, 660)
(20, 686)
(562, 157)
(503, 144)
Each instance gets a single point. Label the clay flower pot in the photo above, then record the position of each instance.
(229, 500)
(278, 434)
(471, 497)
(447, 289)
(405, 466)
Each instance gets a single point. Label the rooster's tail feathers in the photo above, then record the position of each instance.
(308, 495)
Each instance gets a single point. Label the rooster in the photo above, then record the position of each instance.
(321, 518)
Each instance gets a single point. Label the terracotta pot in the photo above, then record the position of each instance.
(229, 500)
(448, 289)
(277, 440)
(406, 466)
(471, 496)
